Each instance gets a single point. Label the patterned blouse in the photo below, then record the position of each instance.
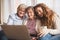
(31, 24)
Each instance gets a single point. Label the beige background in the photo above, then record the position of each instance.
(1, 11)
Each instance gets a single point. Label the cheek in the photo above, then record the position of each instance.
(30, 14)
(21, 14)
(33, 13)
(39, 12)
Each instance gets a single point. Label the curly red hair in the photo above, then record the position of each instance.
(48, 14)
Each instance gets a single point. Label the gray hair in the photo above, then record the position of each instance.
(21, 6)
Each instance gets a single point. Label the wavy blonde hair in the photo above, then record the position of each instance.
(21, 6)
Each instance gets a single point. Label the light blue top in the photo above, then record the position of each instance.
(15, 20)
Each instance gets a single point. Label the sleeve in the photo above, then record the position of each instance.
(10, 20)
(57, 24)
(25, 22)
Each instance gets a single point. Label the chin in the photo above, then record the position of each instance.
(40, 15)
(21, 16)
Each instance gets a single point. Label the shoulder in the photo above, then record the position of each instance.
(13, 16)
(56, 17)
(25, 22)
(56, 20)
(38, 23)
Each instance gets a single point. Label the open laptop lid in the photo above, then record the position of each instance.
(16, 32)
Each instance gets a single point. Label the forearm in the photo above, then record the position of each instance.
(54, 31)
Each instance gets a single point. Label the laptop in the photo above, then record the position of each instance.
(19, 32)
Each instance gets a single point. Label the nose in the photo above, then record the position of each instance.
(39, 13)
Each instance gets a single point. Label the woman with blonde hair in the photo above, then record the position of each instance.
(49, 23)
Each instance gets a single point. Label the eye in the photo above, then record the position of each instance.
(30, 12)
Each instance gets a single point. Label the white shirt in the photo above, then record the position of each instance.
(15, 20)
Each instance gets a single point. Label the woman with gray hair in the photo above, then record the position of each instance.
(19, 17)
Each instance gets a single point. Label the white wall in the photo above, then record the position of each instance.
(57, 7)
(49, 3)
(6, 10)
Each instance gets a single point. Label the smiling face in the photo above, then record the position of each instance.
(30, 13)
(21, 12)
(39, 11)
